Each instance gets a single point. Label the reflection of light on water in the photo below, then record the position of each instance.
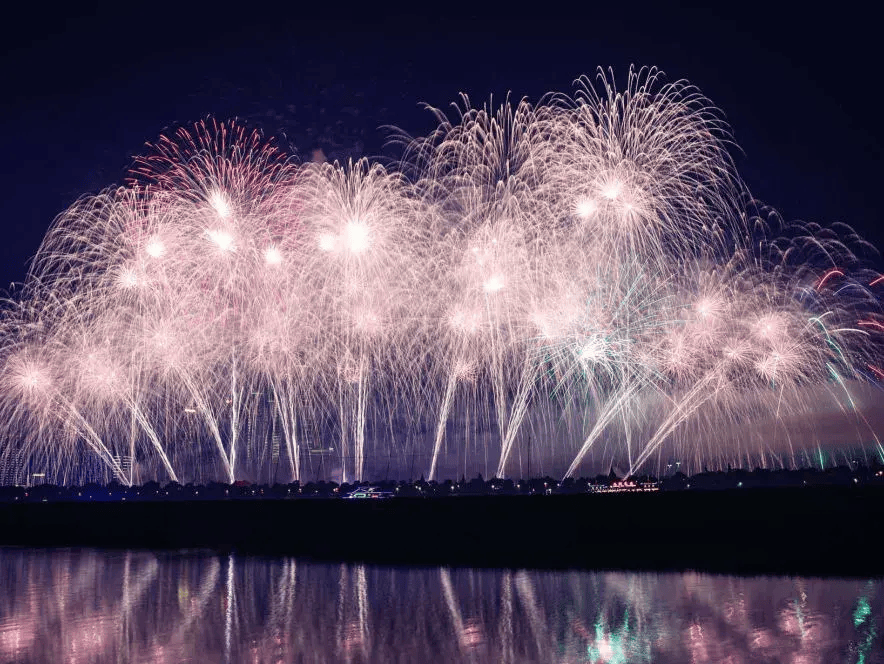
(535, 618)
(353, 637)
(16, 637)
(865, 624)
(228, 611)
(353, 630)
(697, 646)
(808, 632)
(451, 603)
(798, 632)
(617, 645)
(86, 606)
(89, 638)
(505, 621)
(473, 634)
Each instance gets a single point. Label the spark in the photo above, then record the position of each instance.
(222, 239)
(586, 207)
(828, 275)
(155, 248)
(219, 202)
(328, 242)
(127, 278)
(273, 256)
(594, 350)
(357, 237)
(494, 283)
(612, 189)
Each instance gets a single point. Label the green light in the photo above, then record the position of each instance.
(618, 646)
(862, 617)
(862, 612)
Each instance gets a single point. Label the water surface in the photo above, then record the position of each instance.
(94, 606)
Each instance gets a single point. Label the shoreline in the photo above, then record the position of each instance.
(815, 531)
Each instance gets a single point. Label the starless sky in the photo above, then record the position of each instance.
(83, 91)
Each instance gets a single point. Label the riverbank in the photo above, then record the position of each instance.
(829, 531)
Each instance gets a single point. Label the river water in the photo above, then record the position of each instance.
(72, 606)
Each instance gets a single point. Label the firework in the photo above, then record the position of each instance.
(581, 283)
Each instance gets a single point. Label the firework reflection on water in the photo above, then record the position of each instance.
(67, 605)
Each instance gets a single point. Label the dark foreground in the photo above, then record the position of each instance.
(809, 531)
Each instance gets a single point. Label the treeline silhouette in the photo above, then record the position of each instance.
(732, 479)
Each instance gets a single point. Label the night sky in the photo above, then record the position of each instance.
(82, 93)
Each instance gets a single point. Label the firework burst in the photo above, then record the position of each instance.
(584, 282)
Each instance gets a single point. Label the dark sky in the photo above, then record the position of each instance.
(83, 92)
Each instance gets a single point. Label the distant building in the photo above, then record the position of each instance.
(624, 486)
